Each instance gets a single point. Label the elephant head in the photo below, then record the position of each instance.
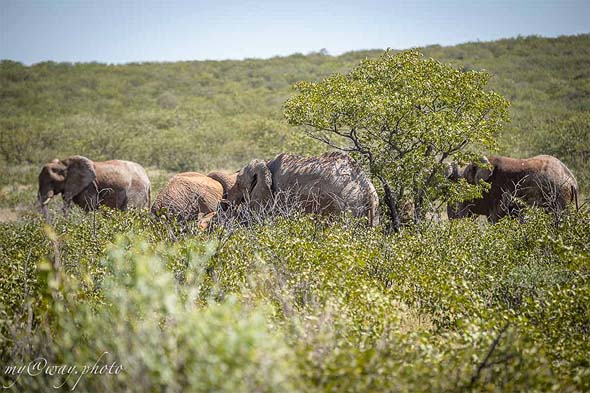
(229, 183)
(253, 184)
(68, 177)
(473, 172)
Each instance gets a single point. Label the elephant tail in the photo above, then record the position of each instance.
(149, 196)
(575, 196)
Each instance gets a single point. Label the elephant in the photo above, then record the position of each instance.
(192, 196)
(327, 184)
(117, 184)
(542, 181)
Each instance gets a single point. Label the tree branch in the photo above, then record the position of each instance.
(486, 362)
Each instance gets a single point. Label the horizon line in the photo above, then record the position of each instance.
(322, 52)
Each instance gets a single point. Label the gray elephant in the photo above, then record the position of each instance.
(541, 181)
(330, 183)
(116, 183)
(192, 196)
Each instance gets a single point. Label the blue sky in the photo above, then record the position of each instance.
(146, 30)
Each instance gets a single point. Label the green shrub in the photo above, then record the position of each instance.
(302, 303)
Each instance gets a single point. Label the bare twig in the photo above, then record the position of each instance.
(486, 361)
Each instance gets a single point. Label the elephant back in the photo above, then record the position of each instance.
(329, 183)
(114, 181)
(139, 187)
(188, 196)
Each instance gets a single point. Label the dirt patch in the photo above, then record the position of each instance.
(16, 188)
(8, 215)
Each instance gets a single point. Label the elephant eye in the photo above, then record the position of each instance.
(57, 171)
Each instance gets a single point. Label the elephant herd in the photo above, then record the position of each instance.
(331, 183)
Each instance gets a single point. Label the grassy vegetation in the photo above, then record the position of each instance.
(298, 304)
(289, 303)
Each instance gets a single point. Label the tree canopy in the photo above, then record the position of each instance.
(402, 116)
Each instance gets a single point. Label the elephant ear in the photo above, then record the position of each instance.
(79, 175)
(56, 171)
(484, 171)
(256, 178)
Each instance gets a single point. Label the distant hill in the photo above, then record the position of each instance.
(204, 114)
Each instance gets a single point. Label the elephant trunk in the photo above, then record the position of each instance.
(452, 212)
(452, 171)
(43, 201)
(45, 212)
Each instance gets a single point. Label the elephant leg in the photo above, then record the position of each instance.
(66, 206)
(511, 205)
(556, 203)
(506, 205)
(87, 199)
(91, 202)
(204, 220)
(123, 200)
(496, 212)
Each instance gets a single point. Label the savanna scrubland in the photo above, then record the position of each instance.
(294, 303)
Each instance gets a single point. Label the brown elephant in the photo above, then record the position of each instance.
(541, 181)
(330, 183)
(116, 183)
(192, 196)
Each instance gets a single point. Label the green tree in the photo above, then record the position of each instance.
(403, 116)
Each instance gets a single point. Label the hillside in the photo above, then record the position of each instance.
(218, 114)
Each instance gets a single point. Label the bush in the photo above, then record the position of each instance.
(300, 303)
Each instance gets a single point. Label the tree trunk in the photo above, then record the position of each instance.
(418, 203)
(391, 205)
